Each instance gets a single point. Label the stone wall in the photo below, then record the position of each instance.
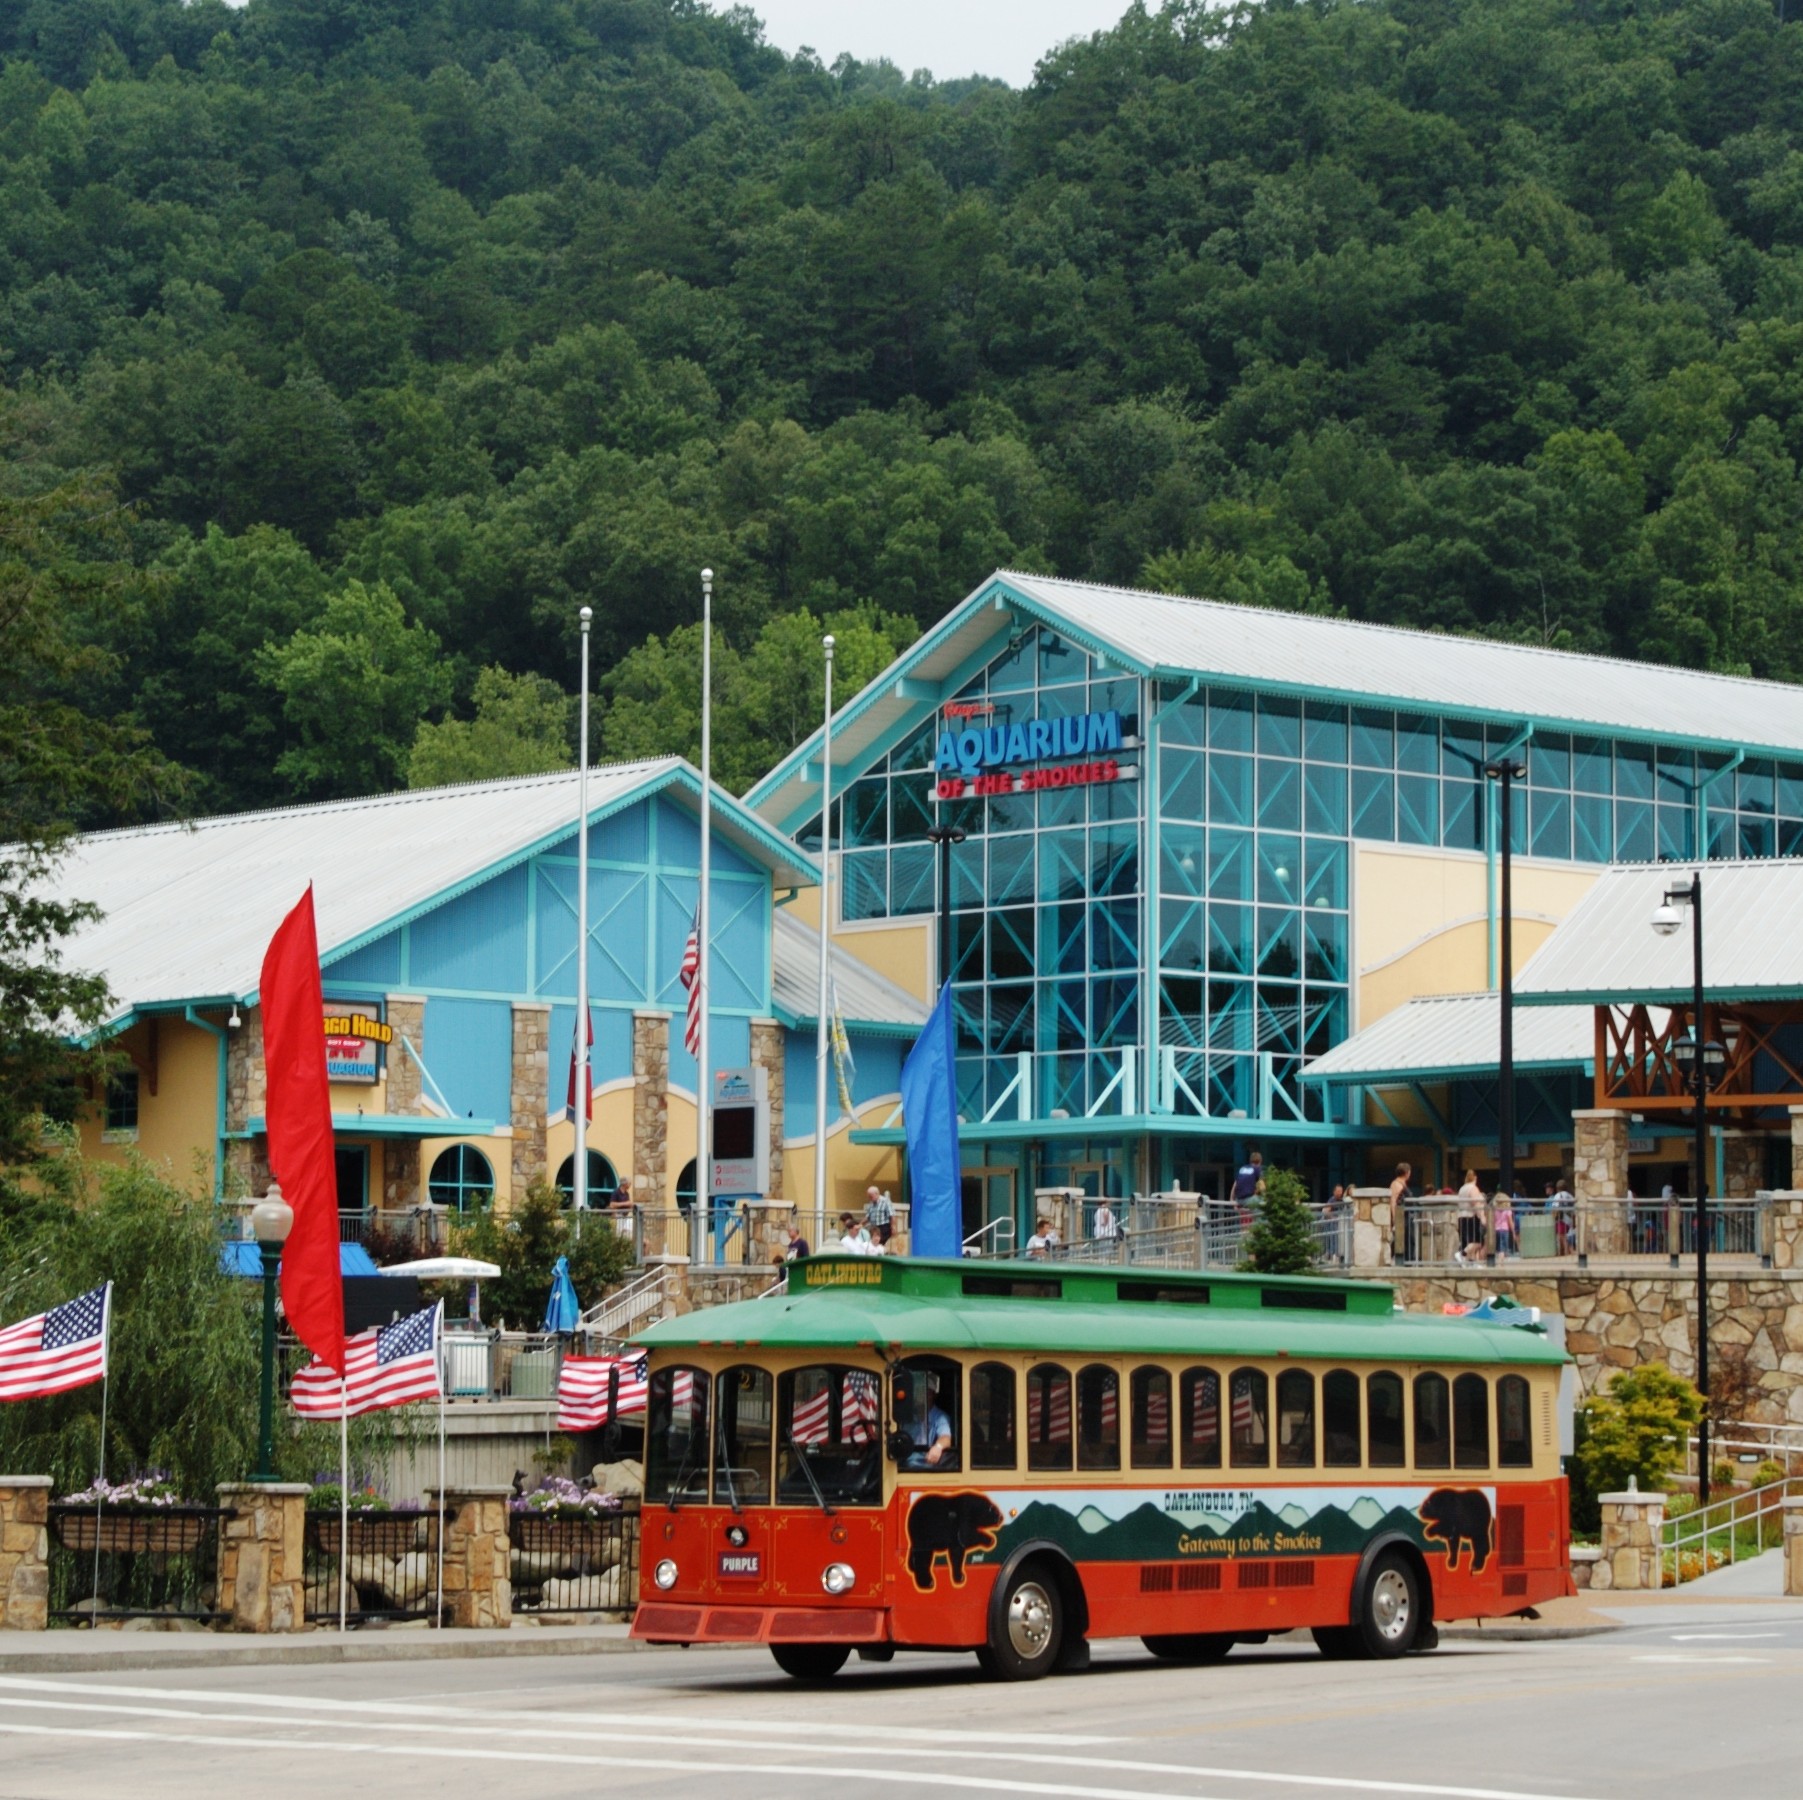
(24, 1552)
(650, 1109)
(246, 1098)
(1743, 1163)
(407, 1014)
(478, 1586)
(529, 1097)
(1373, 1228)
(767, 1054)
(261, 1551)
(1796, 1146)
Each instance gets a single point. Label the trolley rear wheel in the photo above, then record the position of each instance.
(1390, 1612)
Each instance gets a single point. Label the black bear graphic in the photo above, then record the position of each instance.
(952, 1526)
(1458, 1516)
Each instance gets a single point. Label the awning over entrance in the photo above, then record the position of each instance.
(394, 1125)
(1452, 1037)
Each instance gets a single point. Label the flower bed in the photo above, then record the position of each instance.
(146, 1513)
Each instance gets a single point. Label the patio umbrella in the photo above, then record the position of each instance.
(563, 1311)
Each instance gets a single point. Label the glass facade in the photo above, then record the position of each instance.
(1060, 929)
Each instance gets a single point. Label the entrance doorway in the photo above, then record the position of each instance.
(351, 1165)
(1209, 1179)
(987, 1195)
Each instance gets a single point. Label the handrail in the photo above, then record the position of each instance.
(1003, 1232)
(1725, 1517)
(611, 1316)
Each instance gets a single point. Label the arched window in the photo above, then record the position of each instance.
(1098, 1417)
(1471, 1422)
(1433, 1429)
(992, 1416)
(1340, 1434)
(1249, 1427)
(1048, 1417)
(1200, 1418)
(461, 1179)
(1514, 1441)
(602, 1181)
(1383, 1400)
(1295, 1419)
(685, 1184)
(1151, 1418)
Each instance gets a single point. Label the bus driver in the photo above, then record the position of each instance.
(930, 1429)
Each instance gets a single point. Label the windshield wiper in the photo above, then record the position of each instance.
(807, 1469)
(732, 1493)
(676, 1481)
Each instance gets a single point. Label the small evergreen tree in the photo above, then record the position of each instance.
(1282, 1239)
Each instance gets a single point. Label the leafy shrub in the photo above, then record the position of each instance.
(1637, 1429)
(328, 1497)
(1282, 1238)
(526, 1241)
(1768, 1472)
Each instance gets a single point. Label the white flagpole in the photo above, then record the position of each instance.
(579, 1167)
(106, 1382)
(344, 1501)
(704, 1083)
(824, 1033)
(439, 1345)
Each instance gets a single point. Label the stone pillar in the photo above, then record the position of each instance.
(529, 1098)
(401, 1190)
(478, 1588)
(261, 1550)
(1743, 1163)
(767, 1054)
(1373, 1229)
(1599, 1168)
(767, 1230)
(1793, 1546)
(24, 1552)
(675, 1273)
(246, 1098)
(1631, 1559)
(407, 1014)
(1784, 1228)
(651, 1114)
(1796, 1146)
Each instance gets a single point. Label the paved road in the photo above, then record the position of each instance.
(1700, 1703)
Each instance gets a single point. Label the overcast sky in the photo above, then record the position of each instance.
(950, 37)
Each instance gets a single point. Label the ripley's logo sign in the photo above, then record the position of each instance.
(354, 1044)
(978, 748)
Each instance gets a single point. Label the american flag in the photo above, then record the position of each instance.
(582, 1390)
(57, 1350)
(812, 1424)
(389, 1366)
(690, 977)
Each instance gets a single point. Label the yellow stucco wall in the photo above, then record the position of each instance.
(1420, 921)
(176, 1124)
(902, 953)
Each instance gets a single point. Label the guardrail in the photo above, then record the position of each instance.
(1724, 1532)
(1439, 1229)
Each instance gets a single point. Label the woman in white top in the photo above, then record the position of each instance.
(1106, 1224)
(1472, 1202)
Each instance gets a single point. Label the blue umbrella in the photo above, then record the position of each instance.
(563, 1311)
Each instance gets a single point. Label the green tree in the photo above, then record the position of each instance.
(526, 1242)
(1638, 1428)
(521, 727)
(1282, 1238)
(354, 690)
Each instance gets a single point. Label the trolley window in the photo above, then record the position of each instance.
(1295, 1419)
(1340, 1436)
(1200, 1392)
(1471, 1422)
(1151, 1390)
(1048, 1417)
(829, 1427)
(676, 1410)
(1514, 1437)
(1383, 1402)
(744, 1418)
(926, 1408)
(1433, 1429)
(992, 1417)
(1249, 1429)
(1098, 1417)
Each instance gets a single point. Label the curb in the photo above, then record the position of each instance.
(403, 1647)
(1520, 1634)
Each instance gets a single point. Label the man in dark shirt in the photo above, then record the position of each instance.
(798, 1245)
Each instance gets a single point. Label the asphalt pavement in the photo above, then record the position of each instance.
(1682, 1698)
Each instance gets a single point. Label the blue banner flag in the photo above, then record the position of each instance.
(929, 1093)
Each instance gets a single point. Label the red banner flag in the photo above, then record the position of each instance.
(299, 1124)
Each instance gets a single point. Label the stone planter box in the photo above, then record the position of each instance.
(163, 1530)
(390, 1535)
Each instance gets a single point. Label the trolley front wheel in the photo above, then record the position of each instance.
(810, 1662)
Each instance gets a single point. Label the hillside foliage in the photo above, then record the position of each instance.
(405, 328)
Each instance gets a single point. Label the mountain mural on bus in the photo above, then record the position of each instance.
(1455, 1524)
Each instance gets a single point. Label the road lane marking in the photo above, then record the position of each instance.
(1115, 1765)
(665, 1764)
(1720, 1637)
(638, 1721)
(1706, 1657)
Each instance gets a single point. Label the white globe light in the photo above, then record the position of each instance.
(1666, 918)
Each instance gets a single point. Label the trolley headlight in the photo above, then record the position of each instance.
(665, 1574)
(837, 1578)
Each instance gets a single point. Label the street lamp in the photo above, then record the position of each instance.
(945, 836)
(1700, 1062)
(271, 1219)
(1505, 773)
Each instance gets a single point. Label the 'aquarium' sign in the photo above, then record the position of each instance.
(981, 759)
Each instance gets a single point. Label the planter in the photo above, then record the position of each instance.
(165, 1531)
(547, 1534)
(390, 1535)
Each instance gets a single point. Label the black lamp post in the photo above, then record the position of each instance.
(1699, 1062)
(1505, 774)
(945, 836)
(271, 1219)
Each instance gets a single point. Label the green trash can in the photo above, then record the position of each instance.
(1537, 1238)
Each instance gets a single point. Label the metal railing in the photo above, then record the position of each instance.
(996, 1239)
(1750, 1438)
(621, 1311)
(112, 1563)
(575, 1565)
(390, 1568)
(1724, 1532)
(1437, 1229)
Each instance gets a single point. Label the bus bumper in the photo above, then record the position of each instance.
(661, 1622)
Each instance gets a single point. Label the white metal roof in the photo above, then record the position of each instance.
(1252, 647)
(1607, 951)
(187, 910)
(865, 997)
(1440, 1036)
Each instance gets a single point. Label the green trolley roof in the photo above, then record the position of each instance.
(891, 1304)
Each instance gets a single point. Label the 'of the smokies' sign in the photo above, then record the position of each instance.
(983, 758)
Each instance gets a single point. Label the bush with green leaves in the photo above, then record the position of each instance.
(1282, 1238)
(526, 1242)
(1637, 1429)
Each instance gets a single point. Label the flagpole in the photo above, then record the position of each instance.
(704, 1195)
(344, 1500)
(106, 1381)
(579, 1166)
(438, 1336)
(826, 918)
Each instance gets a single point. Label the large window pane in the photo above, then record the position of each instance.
(992, 1417)
(1417, 810)
(1048, 1417)
(1417, 745)
(864, 878)
(676, 1436)
(1373, 805)
(1325, 799)
(1552, 824)
(1340, 1437)
(1151, 1391)
(1279, 727)
(744, 1435)
(1229, 721)
(1230, 780)
(1200, 1414)
(1373, 738)
(1433, 1427)
(1295, 1419)
(828, 1436)
(1249, 1429)
(1098, 1418)
(1471, 1422)
(1383, 1401)
(1324, 733)
(1279, 795)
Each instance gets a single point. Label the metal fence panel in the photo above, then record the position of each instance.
(130, 1563)
(571, 1565)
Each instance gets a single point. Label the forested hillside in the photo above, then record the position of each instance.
(405, 327)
